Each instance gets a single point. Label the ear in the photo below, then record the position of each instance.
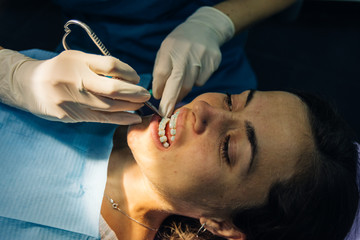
(223, 228)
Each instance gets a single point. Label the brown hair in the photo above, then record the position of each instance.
(183, 228)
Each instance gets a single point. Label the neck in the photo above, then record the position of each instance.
(128, 188)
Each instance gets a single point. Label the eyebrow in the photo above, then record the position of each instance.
(250, 133)
(249, 97)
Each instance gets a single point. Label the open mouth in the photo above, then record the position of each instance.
(167, 130)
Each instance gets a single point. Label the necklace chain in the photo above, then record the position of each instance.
(115, 206)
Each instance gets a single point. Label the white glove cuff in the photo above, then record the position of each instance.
(216, 20)
(10, 61)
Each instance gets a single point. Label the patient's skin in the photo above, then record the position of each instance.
(192, 177)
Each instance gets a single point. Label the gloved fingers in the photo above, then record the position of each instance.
(171, 92)
(88, 115)
(110, 105)
(212, 64)
(115, 89)
(120, 118)
(203, 77)
(87, 100)
(192, 74)
(167, 106)
(162, 71)
(110, 66)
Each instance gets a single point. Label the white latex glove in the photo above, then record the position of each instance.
(189, 55)
(69, 87)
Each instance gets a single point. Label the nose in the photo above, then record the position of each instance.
(207, 116)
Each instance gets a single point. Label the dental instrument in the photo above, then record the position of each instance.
(152, 107)
(100, 46)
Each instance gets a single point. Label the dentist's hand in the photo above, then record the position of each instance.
(72, 87)
(189, 55)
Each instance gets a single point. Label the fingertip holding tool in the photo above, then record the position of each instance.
(101, 47)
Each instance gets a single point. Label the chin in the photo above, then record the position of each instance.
(139, 139)
(137, 132)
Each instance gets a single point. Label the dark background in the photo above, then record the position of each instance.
(316, 50)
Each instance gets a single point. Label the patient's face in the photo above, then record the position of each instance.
(224, 155)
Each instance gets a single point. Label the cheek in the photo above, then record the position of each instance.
(189, 178)
(198, 162)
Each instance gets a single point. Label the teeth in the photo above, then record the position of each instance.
(163, 123)
(163, 139)
(172, 121)
(172, 126)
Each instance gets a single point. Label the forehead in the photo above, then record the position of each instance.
(283, 135)
(279, 115)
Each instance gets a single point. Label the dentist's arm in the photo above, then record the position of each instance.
(191, 52)
(72, 87)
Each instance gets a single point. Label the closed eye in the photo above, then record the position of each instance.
(228, 101)
(225, 143)
(225, 150)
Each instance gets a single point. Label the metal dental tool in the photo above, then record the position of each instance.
(101, 47)
(152, 107)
